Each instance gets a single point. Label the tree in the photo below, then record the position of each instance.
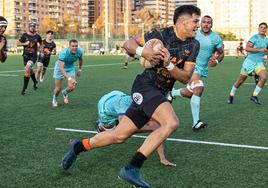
(149, 18)
(47, 24)
(99, 24)
(227, 36)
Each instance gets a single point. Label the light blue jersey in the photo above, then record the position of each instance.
(111, 106)
(254, 61)
(208, 45)
(68, 59)
(258, 42)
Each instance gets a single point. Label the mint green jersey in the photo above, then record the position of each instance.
(258, 42)
(208, 45)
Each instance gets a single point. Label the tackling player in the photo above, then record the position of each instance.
(175, 61)
(112, 107)
(254, 62)
(3, 40)
(64, 68)
(47, 48)
(30, 42)
(211, 53)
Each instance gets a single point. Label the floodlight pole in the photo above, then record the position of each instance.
(106, 27)
(126, 19)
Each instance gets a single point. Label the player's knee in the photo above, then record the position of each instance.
(120, 138)
(195, 86)
(198, 91)
(173, 125)
(263, 78)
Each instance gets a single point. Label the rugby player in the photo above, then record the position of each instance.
(211, 53)
(112, 107)
(64, 68)
(254, 63)
(175, 61)
(3, 40)
(47, 48)
(30, 41)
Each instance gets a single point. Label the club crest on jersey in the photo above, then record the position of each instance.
(213, 42)
(137, 98)
(186, 53)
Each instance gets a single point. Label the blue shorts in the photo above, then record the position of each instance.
(202, 72)
(58, 75)
(250, 66)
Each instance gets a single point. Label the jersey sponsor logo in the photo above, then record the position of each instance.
(213, 42)
(186, 53)
(137, 98)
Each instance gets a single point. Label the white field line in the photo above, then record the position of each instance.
(252, 84)
(101, 65)
(9, 75)
(177, 140)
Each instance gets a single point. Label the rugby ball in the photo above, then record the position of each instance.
(155, 45)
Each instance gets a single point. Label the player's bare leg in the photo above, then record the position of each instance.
(242, 78)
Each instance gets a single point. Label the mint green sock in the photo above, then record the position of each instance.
(195, 108)
(176, 92)
(257, 90)
(233, 90)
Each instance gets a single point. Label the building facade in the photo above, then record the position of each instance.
(164, 8)
(240, 17)
(20, 12)
(185, 2)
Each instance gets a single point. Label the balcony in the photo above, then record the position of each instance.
(32, 8)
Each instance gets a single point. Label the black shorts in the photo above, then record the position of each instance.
(146, 98)
(29, 57)
(44, 60)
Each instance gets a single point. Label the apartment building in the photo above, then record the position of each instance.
(20, 12)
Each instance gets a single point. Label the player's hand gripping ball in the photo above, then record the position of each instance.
(155, 45)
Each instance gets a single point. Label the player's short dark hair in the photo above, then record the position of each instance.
(185, 9)
(50, 31)
(73, 41)
(263, 23)
(207, 16)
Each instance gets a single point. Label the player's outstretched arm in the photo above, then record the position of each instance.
(150, 127)
(80, 64)
(3, 55)
(163, 160)
(216, 57)
(183, 75)
(19, 43)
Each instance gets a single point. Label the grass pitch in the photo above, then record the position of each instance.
(31, 149)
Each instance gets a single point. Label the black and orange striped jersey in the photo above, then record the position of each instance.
(32, 47)
(181, 52)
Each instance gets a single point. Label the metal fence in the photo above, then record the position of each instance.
(96, 46)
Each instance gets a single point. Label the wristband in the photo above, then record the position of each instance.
(69, 78)
(79, 70)
(139, 50)
(170, 66)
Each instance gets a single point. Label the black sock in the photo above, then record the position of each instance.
(33, 78)
(137, 160)
(78, 148)
(25, 83)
